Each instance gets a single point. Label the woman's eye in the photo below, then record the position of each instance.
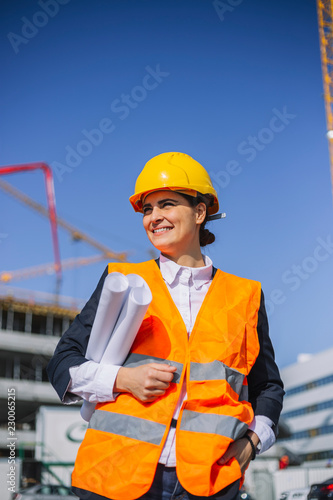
(146, 211)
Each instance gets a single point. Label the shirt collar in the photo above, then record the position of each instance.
(200, 275)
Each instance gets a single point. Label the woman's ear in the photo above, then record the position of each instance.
(201, 210)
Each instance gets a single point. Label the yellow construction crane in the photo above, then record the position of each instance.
(325, 22)
(77, 235)
(50, 268)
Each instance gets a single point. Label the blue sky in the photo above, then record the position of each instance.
(237, 87)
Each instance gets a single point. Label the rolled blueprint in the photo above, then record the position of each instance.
(115, 289)
(128, 324)
(125, 318)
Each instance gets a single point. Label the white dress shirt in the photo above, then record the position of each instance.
(188, 287)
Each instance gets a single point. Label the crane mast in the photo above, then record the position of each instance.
(325, 22)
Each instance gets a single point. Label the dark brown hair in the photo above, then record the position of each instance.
(205, 236)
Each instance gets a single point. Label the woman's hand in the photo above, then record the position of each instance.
(241, 450)
(146, 382)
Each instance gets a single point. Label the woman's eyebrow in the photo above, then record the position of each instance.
(146, 205)
(160, 202)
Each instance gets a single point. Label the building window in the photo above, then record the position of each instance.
(57, 326)
(310, 433)
(23, 366)
(4, 316)
(38, 324)
(308, 409)
(319, 455)
(309, 385)
(6, 367)
(19, 321)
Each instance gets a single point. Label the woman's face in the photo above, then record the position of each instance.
(171, 224)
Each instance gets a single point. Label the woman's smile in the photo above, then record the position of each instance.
(161, 230)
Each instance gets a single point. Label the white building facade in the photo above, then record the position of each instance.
(308, 408)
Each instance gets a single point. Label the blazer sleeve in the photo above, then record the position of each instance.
(264, 381)
(72, 346)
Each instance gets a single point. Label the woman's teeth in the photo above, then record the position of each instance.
(162, 229)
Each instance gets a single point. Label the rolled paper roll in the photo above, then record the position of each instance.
(114, 292)
(133, 309)
(128, 324)
(112, 298)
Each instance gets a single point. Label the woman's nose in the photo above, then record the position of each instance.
(156, 214)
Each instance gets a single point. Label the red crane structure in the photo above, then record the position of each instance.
(50, 212)
(49, 185)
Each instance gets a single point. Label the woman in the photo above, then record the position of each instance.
(199, 394)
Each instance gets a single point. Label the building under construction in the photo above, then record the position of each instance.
(30, 327)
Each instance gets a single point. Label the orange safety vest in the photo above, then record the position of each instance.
(119, 454)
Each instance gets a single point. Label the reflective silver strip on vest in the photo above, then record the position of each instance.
(211, 423)
(128, 426)
(135, 359)
(216, 370)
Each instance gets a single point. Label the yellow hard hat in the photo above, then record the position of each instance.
(175, 171)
